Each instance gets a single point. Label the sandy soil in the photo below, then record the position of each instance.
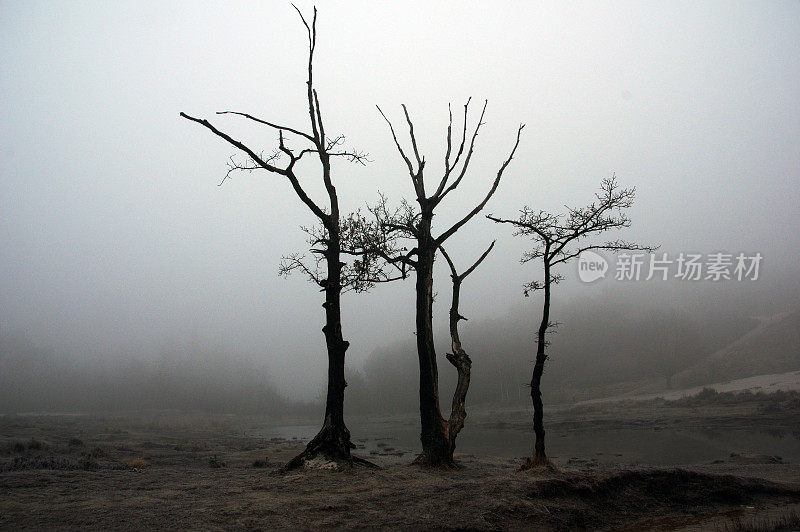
(165, 470)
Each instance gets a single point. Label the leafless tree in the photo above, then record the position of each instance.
(459, 357)
(558, 238)
(326, 269)
(388, 227)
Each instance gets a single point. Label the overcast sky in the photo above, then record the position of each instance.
(115, 239)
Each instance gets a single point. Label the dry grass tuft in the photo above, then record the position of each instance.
(137, 464)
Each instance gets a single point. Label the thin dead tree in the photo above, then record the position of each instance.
(559, 238)
(333, 440)
(416, 225)
(459, 357)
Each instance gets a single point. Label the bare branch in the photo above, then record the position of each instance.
(465, 165)
(270, 124)
(296, 261)
(453, 271)
(448, 168)
(478, 262)
(528, 223)
(353, 156)
(319, 121)
(312, 42)
(399, 148)
(532, 286)
(304, 21)
(447, 234)
(250, 166)
(619, 245)
(420, 162)
(464, 130)
(287, 172)
(447, 153)
(236, 143)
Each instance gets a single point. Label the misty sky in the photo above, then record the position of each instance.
(115, 240)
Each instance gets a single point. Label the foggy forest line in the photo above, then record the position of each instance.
(649, 345)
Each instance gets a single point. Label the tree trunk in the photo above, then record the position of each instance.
(463, 365)
(436, 450)
(539, 456)
(333, 441)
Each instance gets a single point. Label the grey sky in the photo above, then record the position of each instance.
(116, 241)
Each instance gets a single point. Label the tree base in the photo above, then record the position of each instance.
(537, 462)
(443, 463)
(329, 450)
(323, 463)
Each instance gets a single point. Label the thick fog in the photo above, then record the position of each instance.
(117, 244)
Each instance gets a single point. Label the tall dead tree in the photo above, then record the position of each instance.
(416, 225)
(333, 440)
(459, 357)
(558, 238)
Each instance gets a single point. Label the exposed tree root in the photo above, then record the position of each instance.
(537, 462)
(357, 460)
(324, 461)
(330, 449)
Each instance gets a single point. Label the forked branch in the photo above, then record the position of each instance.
(455, 227)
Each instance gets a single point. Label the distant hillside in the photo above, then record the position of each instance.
(771, 347)
(606, 346)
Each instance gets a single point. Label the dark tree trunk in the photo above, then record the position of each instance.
(436, 450)
(461, 361)
(539, 456)
(333, 440)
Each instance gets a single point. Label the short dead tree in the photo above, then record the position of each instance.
(459, 357)
(558, 238)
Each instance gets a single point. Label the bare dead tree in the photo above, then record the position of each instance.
(327, 270)
(388, 227)
(558, 238)
(459, 357)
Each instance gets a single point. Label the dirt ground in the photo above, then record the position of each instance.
(179, 471)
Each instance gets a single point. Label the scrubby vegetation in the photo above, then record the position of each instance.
(589, 501)
(785, 523)
(214, 462)
(778, 401)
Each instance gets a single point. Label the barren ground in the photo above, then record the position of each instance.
(157, 470)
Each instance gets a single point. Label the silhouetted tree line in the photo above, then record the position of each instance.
(35, 379)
